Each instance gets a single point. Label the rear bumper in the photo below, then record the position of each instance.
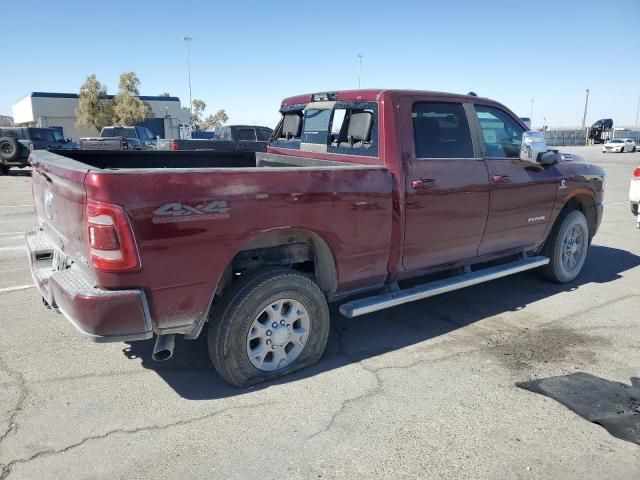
(101, 315)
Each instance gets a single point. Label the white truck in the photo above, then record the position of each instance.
(119, 137)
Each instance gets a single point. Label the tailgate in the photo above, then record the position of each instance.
(59, 198)
(101, 144)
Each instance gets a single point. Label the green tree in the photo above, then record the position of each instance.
(165, 94)
(128, 108)
(219, 119)
(197, 109)
(94, 108)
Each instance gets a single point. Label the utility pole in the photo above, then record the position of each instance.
(188, 39)
(359, 68)
(531, 115)
(637, 112)
(586, 103)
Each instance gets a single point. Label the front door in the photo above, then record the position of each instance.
(522, 193)
(447, 189)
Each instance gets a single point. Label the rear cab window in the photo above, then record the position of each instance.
(338, 127)
(246, 134)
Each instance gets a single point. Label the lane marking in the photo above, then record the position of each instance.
(15, 289)
(21, 247)
(12, 233)
(15, 206)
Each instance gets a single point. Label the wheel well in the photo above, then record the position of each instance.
(299, 249)
(586, 205)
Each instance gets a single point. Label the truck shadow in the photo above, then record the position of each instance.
(190, 373)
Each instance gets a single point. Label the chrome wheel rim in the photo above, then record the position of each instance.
(278, 335)
(572, 247)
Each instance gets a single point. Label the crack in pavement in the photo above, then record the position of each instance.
(23, 392)
(5, 470)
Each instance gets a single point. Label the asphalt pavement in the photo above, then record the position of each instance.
(425, 390)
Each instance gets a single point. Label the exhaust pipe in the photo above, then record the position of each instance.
(163, 349)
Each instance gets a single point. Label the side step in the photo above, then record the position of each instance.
(391, 299)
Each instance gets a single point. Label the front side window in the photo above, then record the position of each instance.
(502, 134)
(264, 134)
(441, 130)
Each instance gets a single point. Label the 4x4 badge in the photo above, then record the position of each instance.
(183, 212)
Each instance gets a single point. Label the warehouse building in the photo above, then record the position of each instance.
(42, 109)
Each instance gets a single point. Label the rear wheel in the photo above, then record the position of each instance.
(566, 247)
(4, 169)
(9, 149)
(272, 322)
(634, 209)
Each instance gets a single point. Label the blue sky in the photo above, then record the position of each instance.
(247, 56)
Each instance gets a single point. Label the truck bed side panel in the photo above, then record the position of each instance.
(191, 223)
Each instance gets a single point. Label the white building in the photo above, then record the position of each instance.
(42, 109)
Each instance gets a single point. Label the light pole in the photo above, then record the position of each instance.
(586, 103)
(531, 114)
(188, 39)
(637, 112)
(359, 68)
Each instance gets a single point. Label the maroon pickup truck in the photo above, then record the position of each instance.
(358, 192)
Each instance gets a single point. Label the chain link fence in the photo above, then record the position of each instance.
(572, 137)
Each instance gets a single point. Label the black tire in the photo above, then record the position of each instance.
(556, 270)
(4, 170)
(9, 149)
(231, 321)
(634, 209)
(633, 150)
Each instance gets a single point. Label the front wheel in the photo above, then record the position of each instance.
(566, 247)
(270, 323)
(634, 209)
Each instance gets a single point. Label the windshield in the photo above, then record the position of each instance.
(615, 141)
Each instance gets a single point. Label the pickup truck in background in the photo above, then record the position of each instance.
(16, 143)
(390, 194)
(230, 138)
(119, 137)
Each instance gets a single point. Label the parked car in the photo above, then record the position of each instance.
(600, 131)
(634, 191)
(619, 145)
(16, 143)
(119, 137)
(248, 138)
(357, 193)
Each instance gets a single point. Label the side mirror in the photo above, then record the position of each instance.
(534, 149)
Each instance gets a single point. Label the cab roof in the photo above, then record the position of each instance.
(370, 95)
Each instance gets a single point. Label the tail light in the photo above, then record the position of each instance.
(636, 172)
(80, 144)
(31, 147)
(174, 145)
(111, 244)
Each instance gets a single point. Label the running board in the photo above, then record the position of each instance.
(391, 299)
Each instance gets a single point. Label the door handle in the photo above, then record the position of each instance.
(423, 183)
(501, 179)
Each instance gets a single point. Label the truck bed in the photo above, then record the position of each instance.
(192, 212)
(149, 159)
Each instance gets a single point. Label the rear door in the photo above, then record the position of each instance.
(522, 193)
(447, 189)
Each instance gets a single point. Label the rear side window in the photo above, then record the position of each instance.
(246, 134)
(502, 134)
(441, 130)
